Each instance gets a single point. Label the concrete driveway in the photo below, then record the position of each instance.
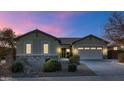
(106, 67)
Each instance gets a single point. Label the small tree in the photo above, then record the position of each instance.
(7, 36)
(114, 28)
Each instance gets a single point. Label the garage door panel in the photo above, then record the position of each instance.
(90, 54)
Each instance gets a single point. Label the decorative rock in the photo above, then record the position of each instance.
(37, 61)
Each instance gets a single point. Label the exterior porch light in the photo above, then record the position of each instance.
(68, 50)
(75, 51)
(122, 46)
(115, 48)
(105, 51)
(59, 50)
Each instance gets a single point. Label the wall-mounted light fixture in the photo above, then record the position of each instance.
(59, 50)
(115, 48)
(68, 50)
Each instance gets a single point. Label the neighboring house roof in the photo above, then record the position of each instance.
(68, 40)
(90, 36)
(37, 30)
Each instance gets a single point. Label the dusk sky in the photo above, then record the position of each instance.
(60, 24)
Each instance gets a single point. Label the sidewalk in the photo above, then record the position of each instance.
(78, 78)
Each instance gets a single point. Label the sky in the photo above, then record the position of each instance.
(57, 23)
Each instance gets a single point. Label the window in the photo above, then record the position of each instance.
(28, 48)
(45, 48)
(80, 48)
(87, 48)
(99, 48)
(93, 48)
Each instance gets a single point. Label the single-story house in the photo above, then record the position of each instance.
(38, 45)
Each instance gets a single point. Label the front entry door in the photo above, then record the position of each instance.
(63, 52)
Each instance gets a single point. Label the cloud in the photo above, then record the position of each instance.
(64, 15)
(55, 23)
(49, 28)
(22, 22)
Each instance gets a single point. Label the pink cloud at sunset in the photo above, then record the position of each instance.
(24, 23)
(29, 26)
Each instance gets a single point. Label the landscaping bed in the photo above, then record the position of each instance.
(51, 68)
(83, 70)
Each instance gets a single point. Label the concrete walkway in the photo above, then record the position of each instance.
(78, 78)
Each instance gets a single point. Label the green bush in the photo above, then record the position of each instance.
(17, 67)
(47, 59)
(121, 57)
(51, 66)
(72, 67)
(2, 58)
(58, 66)
(68, 55)
(74, 59)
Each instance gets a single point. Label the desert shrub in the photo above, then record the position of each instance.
(72, 67)
(3, 58)
(5, 69)
(17, 67)
(74, 59)
(121, 57)
(68, 55)
(47, 59)
(22, 60)
(51, 66)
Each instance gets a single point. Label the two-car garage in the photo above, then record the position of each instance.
(91, 47)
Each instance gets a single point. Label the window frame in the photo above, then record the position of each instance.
(45, 49)
(99, 48)
(27, 50)
(93, 48)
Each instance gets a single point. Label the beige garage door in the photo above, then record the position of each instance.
(90, 54)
